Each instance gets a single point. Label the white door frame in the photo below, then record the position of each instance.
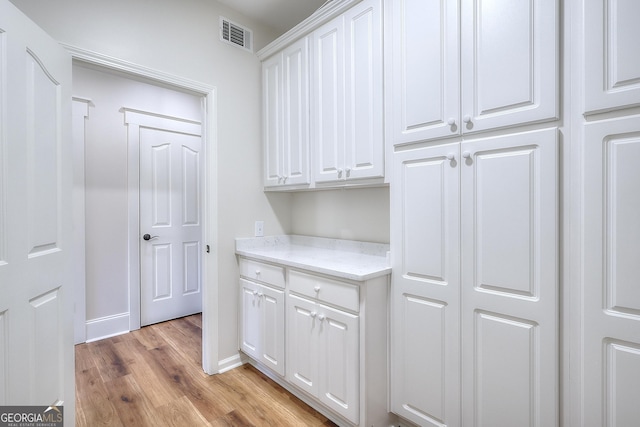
(210, 304)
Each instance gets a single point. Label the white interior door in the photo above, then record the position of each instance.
(36, 323)
(170, 224)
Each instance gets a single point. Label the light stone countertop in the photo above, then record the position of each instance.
(345, 259)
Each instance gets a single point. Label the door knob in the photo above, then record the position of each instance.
(148, 237)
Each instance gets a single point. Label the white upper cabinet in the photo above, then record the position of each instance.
(285, 78)
(422, 68)
(508, 74)
(364, 131)
(347, 94)
(272, 124)
(612, 62)
(510, 63)
(327, 109)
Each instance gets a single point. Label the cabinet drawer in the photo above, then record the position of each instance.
(326, 290)
(262, 272)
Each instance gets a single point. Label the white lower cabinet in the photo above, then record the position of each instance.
(475, 291)
(322, 355)
(329, 344)
(262, 324)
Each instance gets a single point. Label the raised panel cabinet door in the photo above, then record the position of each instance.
(272, 120)
(295, 113)
(302, 344)
(364, 130)
(327, 105)
(509, 282)
(611, 295)
(509, 63)
(422, 69)
(272, 328)
(250, 319)
(339, 361)
(612, 63)
(425, 296)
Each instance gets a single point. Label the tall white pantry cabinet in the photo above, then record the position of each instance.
(474, 215)
(513, 136)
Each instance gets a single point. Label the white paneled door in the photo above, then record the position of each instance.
(170, 224)
(425, 340)
(611, 313)
(509, 211)
(36, 307)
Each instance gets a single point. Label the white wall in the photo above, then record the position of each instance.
(350, 214)
(181, 38)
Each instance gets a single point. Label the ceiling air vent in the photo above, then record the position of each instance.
(235, 34)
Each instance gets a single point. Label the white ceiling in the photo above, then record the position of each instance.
(281, 15)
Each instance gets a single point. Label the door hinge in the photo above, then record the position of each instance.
(208, 249)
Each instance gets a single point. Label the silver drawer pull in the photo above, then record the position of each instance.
(257, 272)
(317, 288)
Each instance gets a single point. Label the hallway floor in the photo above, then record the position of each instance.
(153, 377)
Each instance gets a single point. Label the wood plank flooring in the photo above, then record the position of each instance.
(153, 377)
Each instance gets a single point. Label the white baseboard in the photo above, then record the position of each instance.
(109, 326)
(230, 363)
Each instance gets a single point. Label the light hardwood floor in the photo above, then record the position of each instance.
(153, 377)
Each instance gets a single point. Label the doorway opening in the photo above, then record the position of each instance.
(102, 324)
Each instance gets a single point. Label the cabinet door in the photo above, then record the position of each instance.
(339, 362)
(250, 328)
(422, 69)
(327, 109)
(364, 138)
(612, 63)
(611, 267)
(295, 115)
(509, 62)
(302, 344)
(509, 220)
(425, 297)
(272, 328)
(272, 120)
